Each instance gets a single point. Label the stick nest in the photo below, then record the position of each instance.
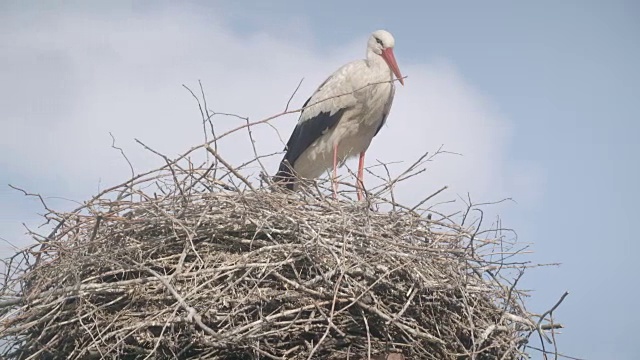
(196, 262)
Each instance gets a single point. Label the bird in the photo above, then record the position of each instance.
(341, 118)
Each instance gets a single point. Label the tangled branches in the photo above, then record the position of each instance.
(199, 262)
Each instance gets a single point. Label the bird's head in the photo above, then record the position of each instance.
(381, 43)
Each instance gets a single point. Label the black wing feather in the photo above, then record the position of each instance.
(305, 134)
(385, 114)
(384, 120)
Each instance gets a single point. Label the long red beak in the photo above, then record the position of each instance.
(387, 55)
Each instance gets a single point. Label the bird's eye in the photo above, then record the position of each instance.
(379, 41)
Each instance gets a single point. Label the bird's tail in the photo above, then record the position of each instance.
(285, 175)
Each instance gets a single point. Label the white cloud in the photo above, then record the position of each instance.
(71, 79)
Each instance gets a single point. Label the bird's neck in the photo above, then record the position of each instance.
(376, 62)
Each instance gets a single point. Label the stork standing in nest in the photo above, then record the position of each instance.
(343, 115)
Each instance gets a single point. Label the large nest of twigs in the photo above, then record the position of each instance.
(178, 263)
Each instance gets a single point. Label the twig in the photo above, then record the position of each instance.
(113, 145)
(429, 197)
(230, 168)
(191, 312)
(286, 108)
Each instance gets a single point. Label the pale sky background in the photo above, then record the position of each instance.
(540, 98)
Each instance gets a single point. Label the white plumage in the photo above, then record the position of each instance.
(343, 115)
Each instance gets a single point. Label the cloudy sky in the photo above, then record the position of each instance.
(540, 100)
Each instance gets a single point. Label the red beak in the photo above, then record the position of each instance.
(387, 55)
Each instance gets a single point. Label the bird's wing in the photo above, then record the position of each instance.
(387, 109)
(325, 108)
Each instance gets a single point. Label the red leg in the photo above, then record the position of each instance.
(335, 171)
(360, 180)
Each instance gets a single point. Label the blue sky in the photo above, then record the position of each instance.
(539, 97)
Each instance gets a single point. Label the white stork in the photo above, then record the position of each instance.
(343, 116)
